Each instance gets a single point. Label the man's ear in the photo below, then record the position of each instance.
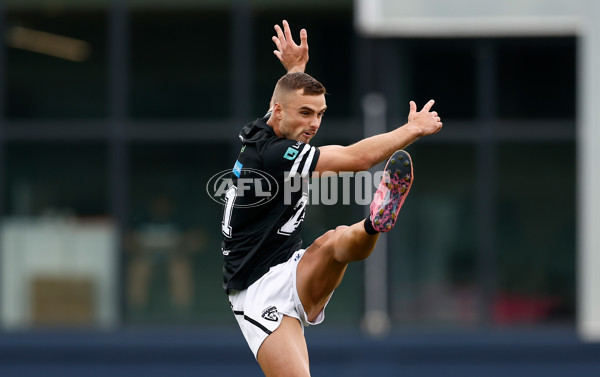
(277, 110)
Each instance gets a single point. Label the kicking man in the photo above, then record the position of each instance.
(275, 287)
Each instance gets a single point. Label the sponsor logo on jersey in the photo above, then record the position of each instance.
(290, 154)
(270, 314)
(237, 168)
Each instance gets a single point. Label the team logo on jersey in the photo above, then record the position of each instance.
(256, 187)
(290, 154)
(270, 314)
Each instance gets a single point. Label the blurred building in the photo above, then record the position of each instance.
(106, 104)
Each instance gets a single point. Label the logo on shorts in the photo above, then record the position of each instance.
(270, 314)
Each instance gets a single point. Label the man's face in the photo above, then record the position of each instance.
(301, 116)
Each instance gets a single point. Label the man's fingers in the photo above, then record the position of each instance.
(428, 105)
(287, 32)
(279, 33)
(303, 38)
(278, 54)
(277, 42)
(412, 107)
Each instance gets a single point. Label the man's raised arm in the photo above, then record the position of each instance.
(370, 151)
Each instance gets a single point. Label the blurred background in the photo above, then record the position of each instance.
(115, 114)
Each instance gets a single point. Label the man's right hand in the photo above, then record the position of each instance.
(424, 122)
(293, 57)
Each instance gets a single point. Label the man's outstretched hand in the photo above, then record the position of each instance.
(293, 57)
(425, 122)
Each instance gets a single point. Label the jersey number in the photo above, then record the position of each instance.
(229, 200)
(290, 226)
(286, 229)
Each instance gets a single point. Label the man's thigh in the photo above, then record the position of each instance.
(284, 352)
(319, 273)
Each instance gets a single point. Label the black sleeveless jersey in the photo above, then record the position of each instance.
(265, 204)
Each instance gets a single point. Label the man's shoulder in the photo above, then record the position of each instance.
(281, 147)
(256, 131)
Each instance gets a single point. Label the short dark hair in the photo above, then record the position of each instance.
(301, 80)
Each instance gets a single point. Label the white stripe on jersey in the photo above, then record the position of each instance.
(308, 162)
(296, 165)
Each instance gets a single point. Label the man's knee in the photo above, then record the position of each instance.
(341, 228)
(329, 235)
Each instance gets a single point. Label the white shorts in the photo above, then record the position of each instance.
(260, 308)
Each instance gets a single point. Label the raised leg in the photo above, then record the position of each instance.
(324, 263)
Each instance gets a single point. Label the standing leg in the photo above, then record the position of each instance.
(284, 351)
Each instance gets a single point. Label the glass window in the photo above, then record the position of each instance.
(172, 258)
(536, 234)
(433, 251)
(56, 63)
(58, 260)
(180, 64)
(444, 70)
(536, 78)
(56, 178)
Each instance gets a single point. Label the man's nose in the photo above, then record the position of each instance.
(316, 122)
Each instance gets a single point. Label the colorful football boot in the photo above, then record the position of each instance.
(392, 191)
